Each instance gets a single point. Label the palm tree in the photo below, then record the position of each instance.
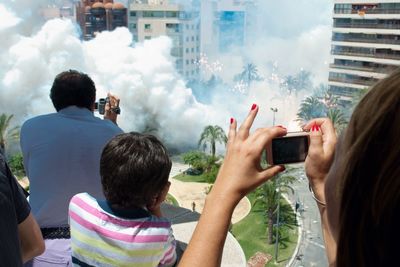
(5, 132)
(338, 119)
(311, 108)
(210, 136)
(249, 74)
(268, 196)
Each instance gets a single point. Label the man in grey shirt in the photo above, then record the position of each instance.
(62, 158)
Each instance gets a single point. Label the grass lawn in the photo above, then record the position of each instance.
(190, 178)
(171, 200)
(251, 233)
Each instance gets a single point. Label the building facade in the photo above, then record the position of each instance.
(224, 24)
(95, 16)
(365, 44)
(153, 18)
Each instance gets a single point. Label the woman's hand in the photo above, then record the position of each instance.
(241, 171)
(320, 153)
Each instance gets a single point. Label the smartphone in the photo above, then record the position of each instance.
(292, 148)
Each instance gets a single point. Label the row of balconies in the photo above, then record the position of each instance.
(368, 11)
(366, 25)
(352, 79)
(372, 54)
(365, 40)
(386, 69)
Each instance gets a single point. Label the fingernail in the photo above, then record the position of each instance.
(282, 168)
(253, 107)
(313, 128)
(317, 128)
(280, 126)
(232, 120)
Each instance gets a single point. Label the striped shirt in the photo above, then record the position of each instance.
(101, 236)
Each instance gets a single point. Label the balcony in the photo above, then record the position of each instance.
(364, 68)
(368, 11)
(366, 40)
(371, 55)
(367, 82)
(367, 26)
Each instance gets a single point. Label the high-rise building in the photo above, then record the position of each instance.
(224, 24)
(153, 18)
(95, 16)
(60, 9)
(365, 44)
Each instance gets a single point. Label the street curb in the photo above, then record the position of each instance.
(300, 233)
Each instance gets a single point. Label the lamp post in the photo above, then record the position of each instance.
(277, 218)
(274, 110)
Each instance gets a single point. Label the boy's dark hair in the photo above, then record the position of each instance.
(134, 169)
(73, 88)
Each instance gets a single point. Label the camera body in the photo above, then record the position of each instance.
(292, 148)
(101, 106)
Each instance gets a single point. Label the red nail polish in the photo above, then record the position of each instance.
(280, 126)
(313, 128)
(232, 120)
(317, 128)
(253, 107)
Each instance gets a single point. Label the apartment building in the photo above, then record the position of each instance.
(365, 44)
(95, 16)
(224, 24)
(153, 18)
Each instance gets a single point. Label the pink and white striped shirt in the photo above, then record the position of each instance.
(102, 236)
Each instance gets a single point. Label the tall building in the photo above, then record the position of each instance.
(224, 24)
(60, 9)
(365, 44)
(153, 18)
(95, 16)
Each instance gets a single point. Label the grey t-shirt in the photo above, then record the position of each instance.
(62, 158)
(14, 209)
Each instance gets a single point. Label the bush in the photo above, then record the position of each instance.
(196, 159)
(211, 175)
(16, 163)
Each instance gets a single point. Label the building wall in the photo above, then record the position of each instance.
(365, 44)
(157, 18)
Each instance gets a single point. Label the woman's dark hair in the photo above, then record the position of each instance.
(73, 88)
(134, 169)
(369, 190)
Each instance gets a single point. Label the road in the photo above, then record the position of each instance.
(311, 250)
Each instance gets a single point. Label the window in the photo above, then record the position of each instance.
(187, 39)
(187, 61)
(187, 50)
(171, 14)
(192, 38)
(133, 26)
(192, 49)
(132, 13)
(187, 27)
(147, 37)
(153, 14)
(147, 26)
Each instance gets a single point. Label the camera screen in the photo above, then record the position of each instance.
(289, 149)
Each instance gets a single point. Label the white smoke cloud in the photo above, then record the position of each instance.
(153, 95)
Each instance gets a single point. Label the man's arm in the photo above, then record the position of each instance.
(31, 239)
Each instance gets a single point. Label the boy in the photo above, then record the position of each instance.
(126, 229)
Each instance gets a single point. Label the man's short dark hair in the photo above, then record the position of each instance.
(73, 88)
(134, 169)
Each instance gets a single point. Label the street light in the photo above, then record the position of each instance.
(274, 110)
